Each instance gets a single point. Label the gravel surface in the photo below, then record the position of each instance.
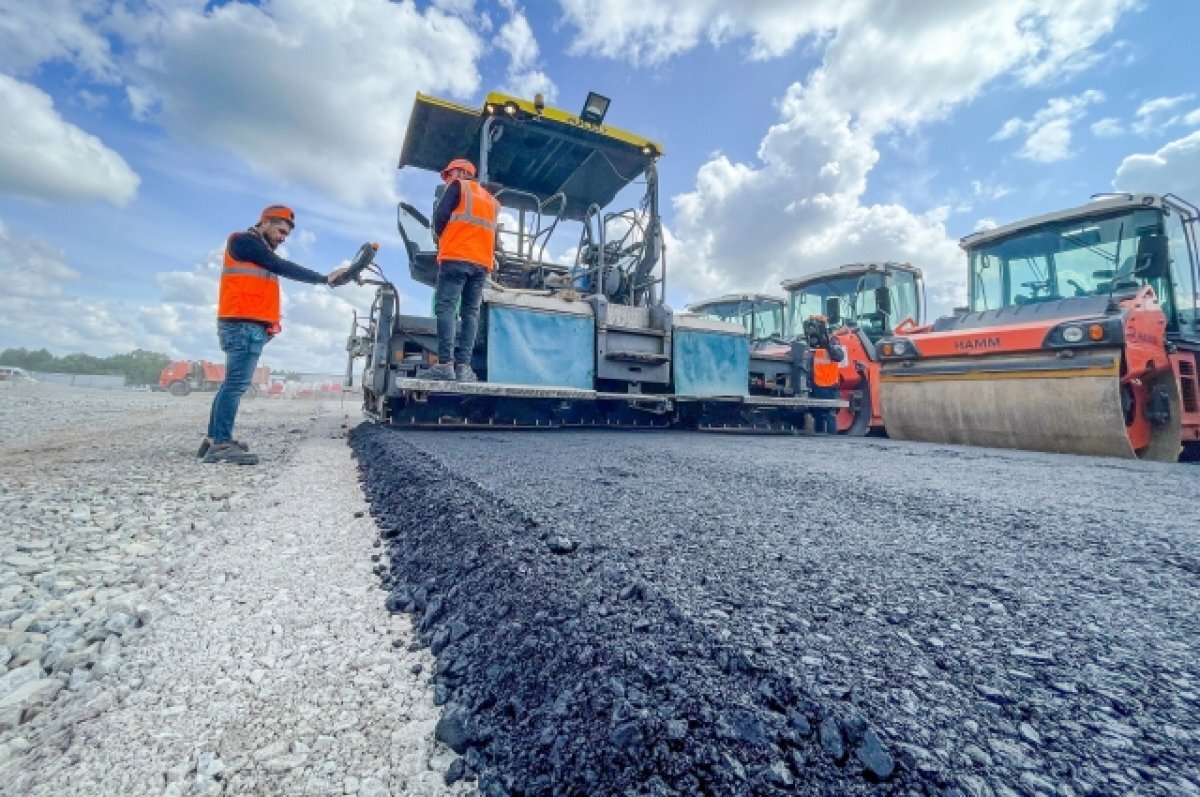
(666, 613)
(598, 613)
(170, 627)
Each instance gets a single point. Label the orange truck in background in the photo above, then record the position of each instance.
(181, 377)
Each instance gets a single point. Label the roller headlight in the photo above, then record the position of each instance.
(898, 348)
(1087, 332)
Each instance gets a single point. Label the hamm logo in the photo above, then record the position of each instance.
(977, 344)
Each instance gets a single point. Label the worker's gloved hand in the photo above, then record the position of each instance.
(273, 330)
(335, 275)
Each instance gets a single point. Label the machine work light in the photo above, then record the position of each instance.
(595, 108)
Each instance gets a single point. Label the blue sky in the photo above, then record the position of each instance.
(798, 136)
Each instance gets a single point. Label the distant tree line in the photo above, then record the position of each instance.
(139, 367)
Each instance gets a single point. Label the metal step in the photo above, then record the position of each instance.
(641, 357)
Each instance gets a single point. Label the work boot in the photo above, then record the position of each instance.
(464, 373)
(229, 451)
(207, 443)
(441, 371)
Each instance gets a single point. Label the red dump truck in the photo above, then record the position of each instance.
(181, 377)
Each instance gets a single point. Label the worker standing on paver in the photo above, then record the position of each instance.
(248, 315)
(464, 225)
(824, 354)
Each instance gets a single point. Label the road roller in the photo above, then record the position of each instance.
(862, 303)
(1081, 336)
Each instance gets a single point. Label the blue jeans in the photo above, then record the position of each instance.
(458, 279)
(824, 420)
(242, 342)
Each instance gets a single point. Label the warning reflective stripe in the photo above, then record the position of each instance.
(252, 271)
(468, 212)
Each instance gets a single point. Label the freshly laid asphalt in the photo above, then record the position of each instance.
(664, 613)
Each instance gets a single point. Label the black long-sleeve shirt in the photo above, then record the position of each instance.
(251, 248)
(445, 207)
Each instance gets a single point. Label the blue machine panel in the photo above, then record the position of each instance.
(528, 347)
(709, 364)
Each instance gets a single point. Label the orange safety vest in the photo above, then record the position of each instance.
(825, 370)
(470, 234)
(248, 290)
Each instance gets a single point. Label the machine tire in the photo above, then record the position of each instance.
(179, 388)
(861, 424)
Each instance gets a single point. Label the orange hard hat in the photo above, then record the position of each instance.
(459, 163)
(279, 212)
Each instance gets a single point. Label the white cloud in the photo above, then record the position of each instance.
(1049, 130)
(31, 268)
(33, 33)
(1048, 143)
(1009, 129)
(1160, 104)
(91, 100)
(1175, 168)
(651, 33)
(1157, 115)
(745, 228)
(303, 91)
(516, 38)
(44, 157)
(885, 66)
(987, 190)
(462, 8)
(1039, 41)
(39, 309)
(1063, 35)
(1152, 117)
(197, 287)
(141, 101)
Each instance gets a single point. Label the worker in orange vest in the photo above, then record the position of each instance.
(824, 354)
(248, 316)
(464, 225)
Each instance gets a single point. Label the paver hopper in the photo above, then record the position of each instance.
(775, 359)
